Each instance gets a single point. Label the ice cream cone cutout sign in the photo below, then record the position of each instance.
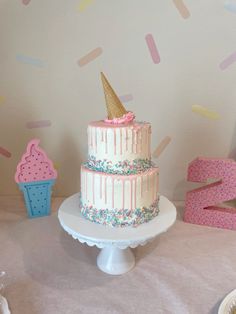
(35, 176)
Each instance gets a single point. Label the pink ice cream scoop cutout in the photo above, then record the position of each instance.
(35, 165)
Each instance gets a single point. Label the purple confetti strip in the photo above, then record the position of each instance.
(228, 61)
(38, 124)
(126, 98)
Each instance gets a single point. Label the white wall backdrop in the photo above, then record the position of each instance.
(41, 42)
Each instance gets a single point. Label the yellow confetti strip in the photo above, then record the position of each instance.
(205, 112)
(56, 165)
(84, 4)
(161, 147)
(2, 99)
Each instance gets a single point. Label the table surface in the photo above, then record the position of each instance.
(187, 270)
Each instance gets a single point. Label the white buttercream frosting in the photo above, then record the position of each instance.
(119, 142)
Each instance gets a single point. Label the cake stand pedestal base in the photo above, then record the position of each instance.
(115, 261)
(116, 257)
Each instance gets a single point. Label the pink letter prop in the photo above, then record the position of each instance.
(200, 206)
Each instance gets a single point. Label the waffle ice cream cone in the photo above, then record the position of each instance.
(115, 109)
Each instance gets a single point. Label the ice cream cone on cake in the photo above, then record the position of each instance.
(115, 108)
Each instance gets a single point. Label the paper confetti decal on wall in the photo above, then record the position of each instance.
(84, 4)
(5, 152)
(56, 165)
(205, 112)
(26, 2)
(38, 124)
(30, 60)
(90, 56)
(126, 98)
(230, 7)
(180, 6)
(2, 99)
(152, 48)
(161, 147)
(228, 61)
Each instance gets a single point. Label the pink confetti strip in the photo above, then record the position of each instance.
(161, 147)
(90, 56)
(126, 98)
(180, 6)
(26, 2)
(152, 48)
(228, 61)
(38, 124)
(5, 152)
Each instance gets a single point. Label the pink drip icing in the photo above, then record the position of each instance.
(96, 140)
(90, 136)
(132, 143)
(113, 192)
(86, 190)
(106, 141)
(126, 139)
(131, 194)
(114, 141)
(148, 183)
(123, 193)
(146, 140)
(136, 141)
(149, 142)
(142, 186)
(135, 192)
(93, 188)
(120, 141)
(157, 182)
(153, 186)
(82, 184)
(100, 186)
(141, 140)
(105, 189)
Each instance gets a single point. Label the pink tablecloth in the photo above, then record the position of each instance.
(189, 269)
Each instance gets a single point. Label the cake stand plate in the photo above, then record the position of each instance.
(115, 257)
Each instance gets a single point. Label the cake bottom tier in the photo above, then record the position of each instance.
(119, 200)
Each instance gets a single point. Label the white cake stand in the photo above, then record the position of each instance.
(115, 258)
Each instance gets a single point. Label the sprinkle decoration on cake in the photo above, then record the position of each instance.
(119, 181)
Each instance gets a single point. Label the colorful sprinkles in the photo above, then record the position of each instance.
(125, 167)
(120, 217)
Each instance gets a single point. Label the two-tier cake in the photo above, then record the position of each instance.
(119, 182)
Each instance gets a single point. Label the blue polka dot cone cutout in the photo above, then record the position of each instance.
(37, 197)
